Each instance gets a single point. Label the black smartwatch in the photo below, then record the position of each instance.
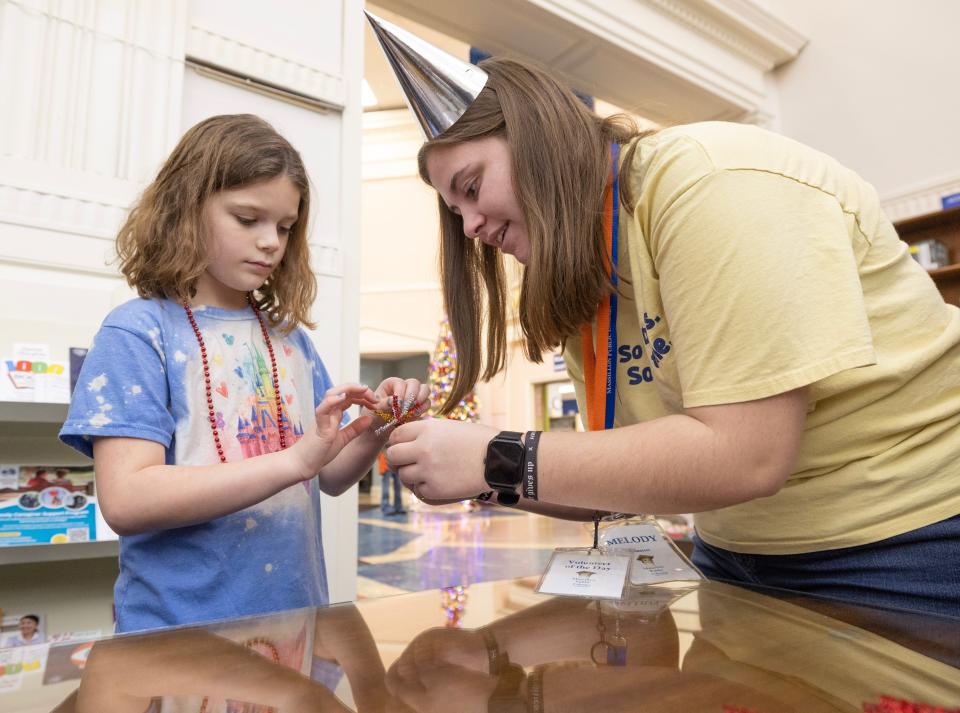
(503, 466)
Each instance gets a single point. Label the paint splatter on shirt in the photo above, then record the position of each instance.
(144, 379)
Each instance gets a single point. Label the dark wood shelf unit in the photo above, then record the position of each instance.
(944, 226)
(947, 271)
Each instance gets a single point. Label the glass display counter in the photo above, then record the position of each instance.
(500, 646)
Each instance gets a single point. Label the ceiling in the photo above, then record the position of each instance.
(596, 65)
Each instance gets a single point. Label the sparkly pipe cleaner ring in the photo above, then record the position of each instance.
(398, 416)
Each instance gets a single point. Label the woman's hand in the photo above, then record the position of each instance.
(408, 392)
(321, 444)
(440, 459)
(440, 666)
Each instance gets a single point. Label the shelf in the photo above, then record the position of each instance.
(927, 221)
(945, 271)
(67, 551)
(32, 412)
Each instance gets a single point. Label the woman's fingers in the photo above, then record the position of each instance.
(407, 392)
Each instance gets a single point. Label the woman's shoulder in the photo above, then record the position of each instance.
(667, 163)
(703, 145)
(672, 161)
(724, 145)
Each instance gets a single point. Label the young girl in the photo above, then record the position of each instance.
(211, 419)
(749, 338)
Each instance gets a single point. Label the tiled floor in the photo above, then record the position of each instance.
(429, 547)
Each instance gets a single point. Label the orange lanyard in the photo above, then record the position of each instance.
(600, 346)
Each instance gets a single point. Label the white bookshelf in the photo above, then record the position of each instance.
(67, 551)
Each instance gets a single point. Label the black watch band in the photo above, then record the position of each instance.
(503, 466)
(507, 696)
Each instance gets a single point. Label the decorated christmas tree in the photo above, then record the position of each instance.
(454, 601)
(443, 370)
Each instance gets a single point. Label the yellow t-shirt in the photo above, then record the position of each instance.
(809, 660)
(756, 265)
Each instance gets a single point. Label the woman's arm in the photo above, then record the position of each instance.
(138, 492)
(706, 458)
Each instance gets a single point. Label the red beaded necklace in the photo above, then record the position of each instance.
(206, 375)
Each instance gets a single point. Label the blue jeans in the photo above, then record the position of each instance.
(917, 571)
(385, 492)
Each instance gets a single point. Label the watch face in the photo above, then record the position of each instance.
(504, 459)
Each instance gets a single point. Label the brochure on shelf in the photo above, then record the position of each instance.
(49, 505)
(20, 663)
(30, 374)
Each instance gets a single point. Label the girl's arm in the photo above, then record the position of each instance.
(123, 675)
(138, 492)
(352, 464)
(357, 458)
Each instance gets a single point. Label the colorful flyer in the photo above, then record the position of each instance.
(47, 504)
(29, 374)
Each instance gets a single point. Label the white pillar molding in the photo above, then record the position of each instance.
(89, 104)
(340, 532)
(218, 50)
(688, 59)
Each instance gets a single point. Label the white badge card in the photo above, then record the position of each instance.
(582, 572)
(649, 602)
(654, 557)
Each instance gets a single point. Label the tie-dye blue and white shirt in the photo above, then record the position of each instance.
(143, 378)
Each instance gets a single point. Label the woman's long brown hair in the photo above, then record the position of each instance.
(560, 156)
(162, 246)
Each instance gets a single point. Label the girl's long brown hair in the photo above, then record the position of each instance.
(560, 163)
(162, 246)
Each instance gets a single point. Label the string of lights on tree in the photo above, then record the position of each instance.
(454, 602)
(443, 370)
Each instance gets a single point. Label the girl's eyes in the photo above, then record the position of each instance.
(282, 229)
(471, 191)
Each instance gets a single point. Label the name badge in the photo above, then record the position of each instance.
(654, 557)
(582, 572)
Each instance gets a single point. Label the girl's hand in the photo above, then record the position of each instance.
(321, 444)
(407, 391)
(440, 459)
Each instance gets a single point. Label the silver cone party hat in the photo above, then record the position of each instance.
(438, 86)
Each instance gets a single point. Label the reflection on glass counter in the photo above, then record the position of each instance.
(499, 646)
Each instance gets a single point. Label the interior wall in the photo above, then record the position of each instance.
(400, 300)
(875, 87)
